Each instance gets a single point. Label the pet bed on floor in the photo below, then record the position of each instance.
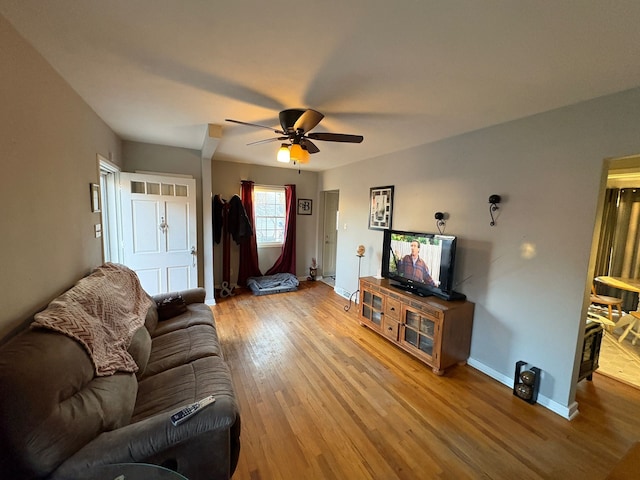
(277, 283)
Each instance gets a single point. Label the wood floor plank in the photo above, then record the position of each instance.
(322, 397)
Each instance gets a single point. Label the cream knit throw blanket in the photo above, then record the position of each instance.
(102, 312)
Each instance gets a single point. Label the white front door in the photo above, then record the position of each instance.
(159, 230)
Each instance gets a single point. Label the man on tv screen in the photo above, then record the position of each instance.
(413, 267)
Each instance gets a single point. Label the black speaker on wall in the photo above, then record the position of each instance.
(526, 382)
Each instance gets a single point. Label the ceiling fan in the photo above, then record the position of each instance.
(296, 126)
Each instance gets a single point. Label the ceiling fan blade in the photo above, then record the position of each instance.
(279, 132)
(268, 140)
(336, 137)
(288, 118)
(308, 120)
(309, 145)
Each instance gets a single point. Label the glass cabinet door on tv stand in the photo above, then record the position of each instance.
(371, 308)
(418, 331)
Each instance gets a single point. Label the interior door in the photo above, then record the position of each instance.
(330, 233)
(159, 230)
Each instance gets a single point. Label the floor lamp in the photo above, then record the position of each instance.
(359, 254)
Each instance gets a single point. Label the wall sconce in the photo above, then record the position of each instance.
(494, 200)
(440, 222)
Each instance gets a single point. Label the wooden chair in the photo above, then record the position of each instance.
(635, 323)
(609, 302)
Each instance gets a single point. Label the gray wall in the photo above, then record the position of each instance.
(48, 146)
(528, 274)
(226, 178)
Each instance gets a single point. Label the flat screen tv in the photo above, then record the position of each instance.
(422, 263)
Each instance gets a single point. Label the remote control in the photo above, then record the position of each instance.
(190, 410)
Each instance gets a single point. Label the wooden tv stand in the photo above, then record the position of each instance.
(435, 331)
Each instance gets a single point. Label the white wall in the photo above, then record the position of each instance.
(48, 145)
(226, 178)
(528, 274)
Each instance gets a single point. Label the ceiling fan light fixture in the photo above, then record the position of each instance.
(284, 156)
(296, 125)
(299, 154)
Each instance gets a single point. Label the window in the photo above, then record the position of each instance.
(269, 209)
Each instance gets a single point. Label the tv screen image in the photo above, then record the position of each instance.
(420, 262)
(416, 258)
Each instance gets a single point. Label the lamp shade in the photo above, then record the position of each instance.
(299, 154)
(283, 153)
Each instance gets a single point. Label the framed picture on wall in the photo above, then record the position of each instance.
(304, 206)
(380, 208)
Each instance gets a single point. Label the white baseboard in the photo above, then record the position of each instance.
(342, 292)
(569, 412)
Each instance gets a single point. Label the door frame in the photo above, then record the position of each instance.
(335, 213)
(160, 180)
(626, 166)
(110, 214)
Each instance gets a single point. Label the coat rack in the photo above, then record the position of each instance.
(226, 290)
(230, 221)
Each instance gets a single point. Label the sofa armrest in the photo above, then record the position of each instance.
(192, 295)
(155, 440)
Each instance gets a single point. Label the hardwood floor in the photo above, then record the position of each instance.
(322, 397)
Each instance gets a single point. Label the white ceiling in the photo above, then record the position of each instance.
(400, 72)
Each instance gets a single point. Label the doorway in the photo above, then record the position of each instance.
(159, 230)
(619, 351)
(331, 200)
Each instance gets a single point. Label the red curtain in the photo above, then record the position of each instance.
(286, 263)
(248, 248)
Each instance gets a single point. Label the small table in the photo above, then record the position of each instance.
(623, 283)
(633, 318)
(134, 471)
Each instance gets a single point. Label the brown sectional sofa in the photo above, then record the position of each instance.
(58, 420)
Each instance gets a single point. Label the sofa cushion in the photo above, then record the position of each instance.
(151, 320)
(195, 314)
(52, 378)
(181, 347)
(169, 390)
(140, 349)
